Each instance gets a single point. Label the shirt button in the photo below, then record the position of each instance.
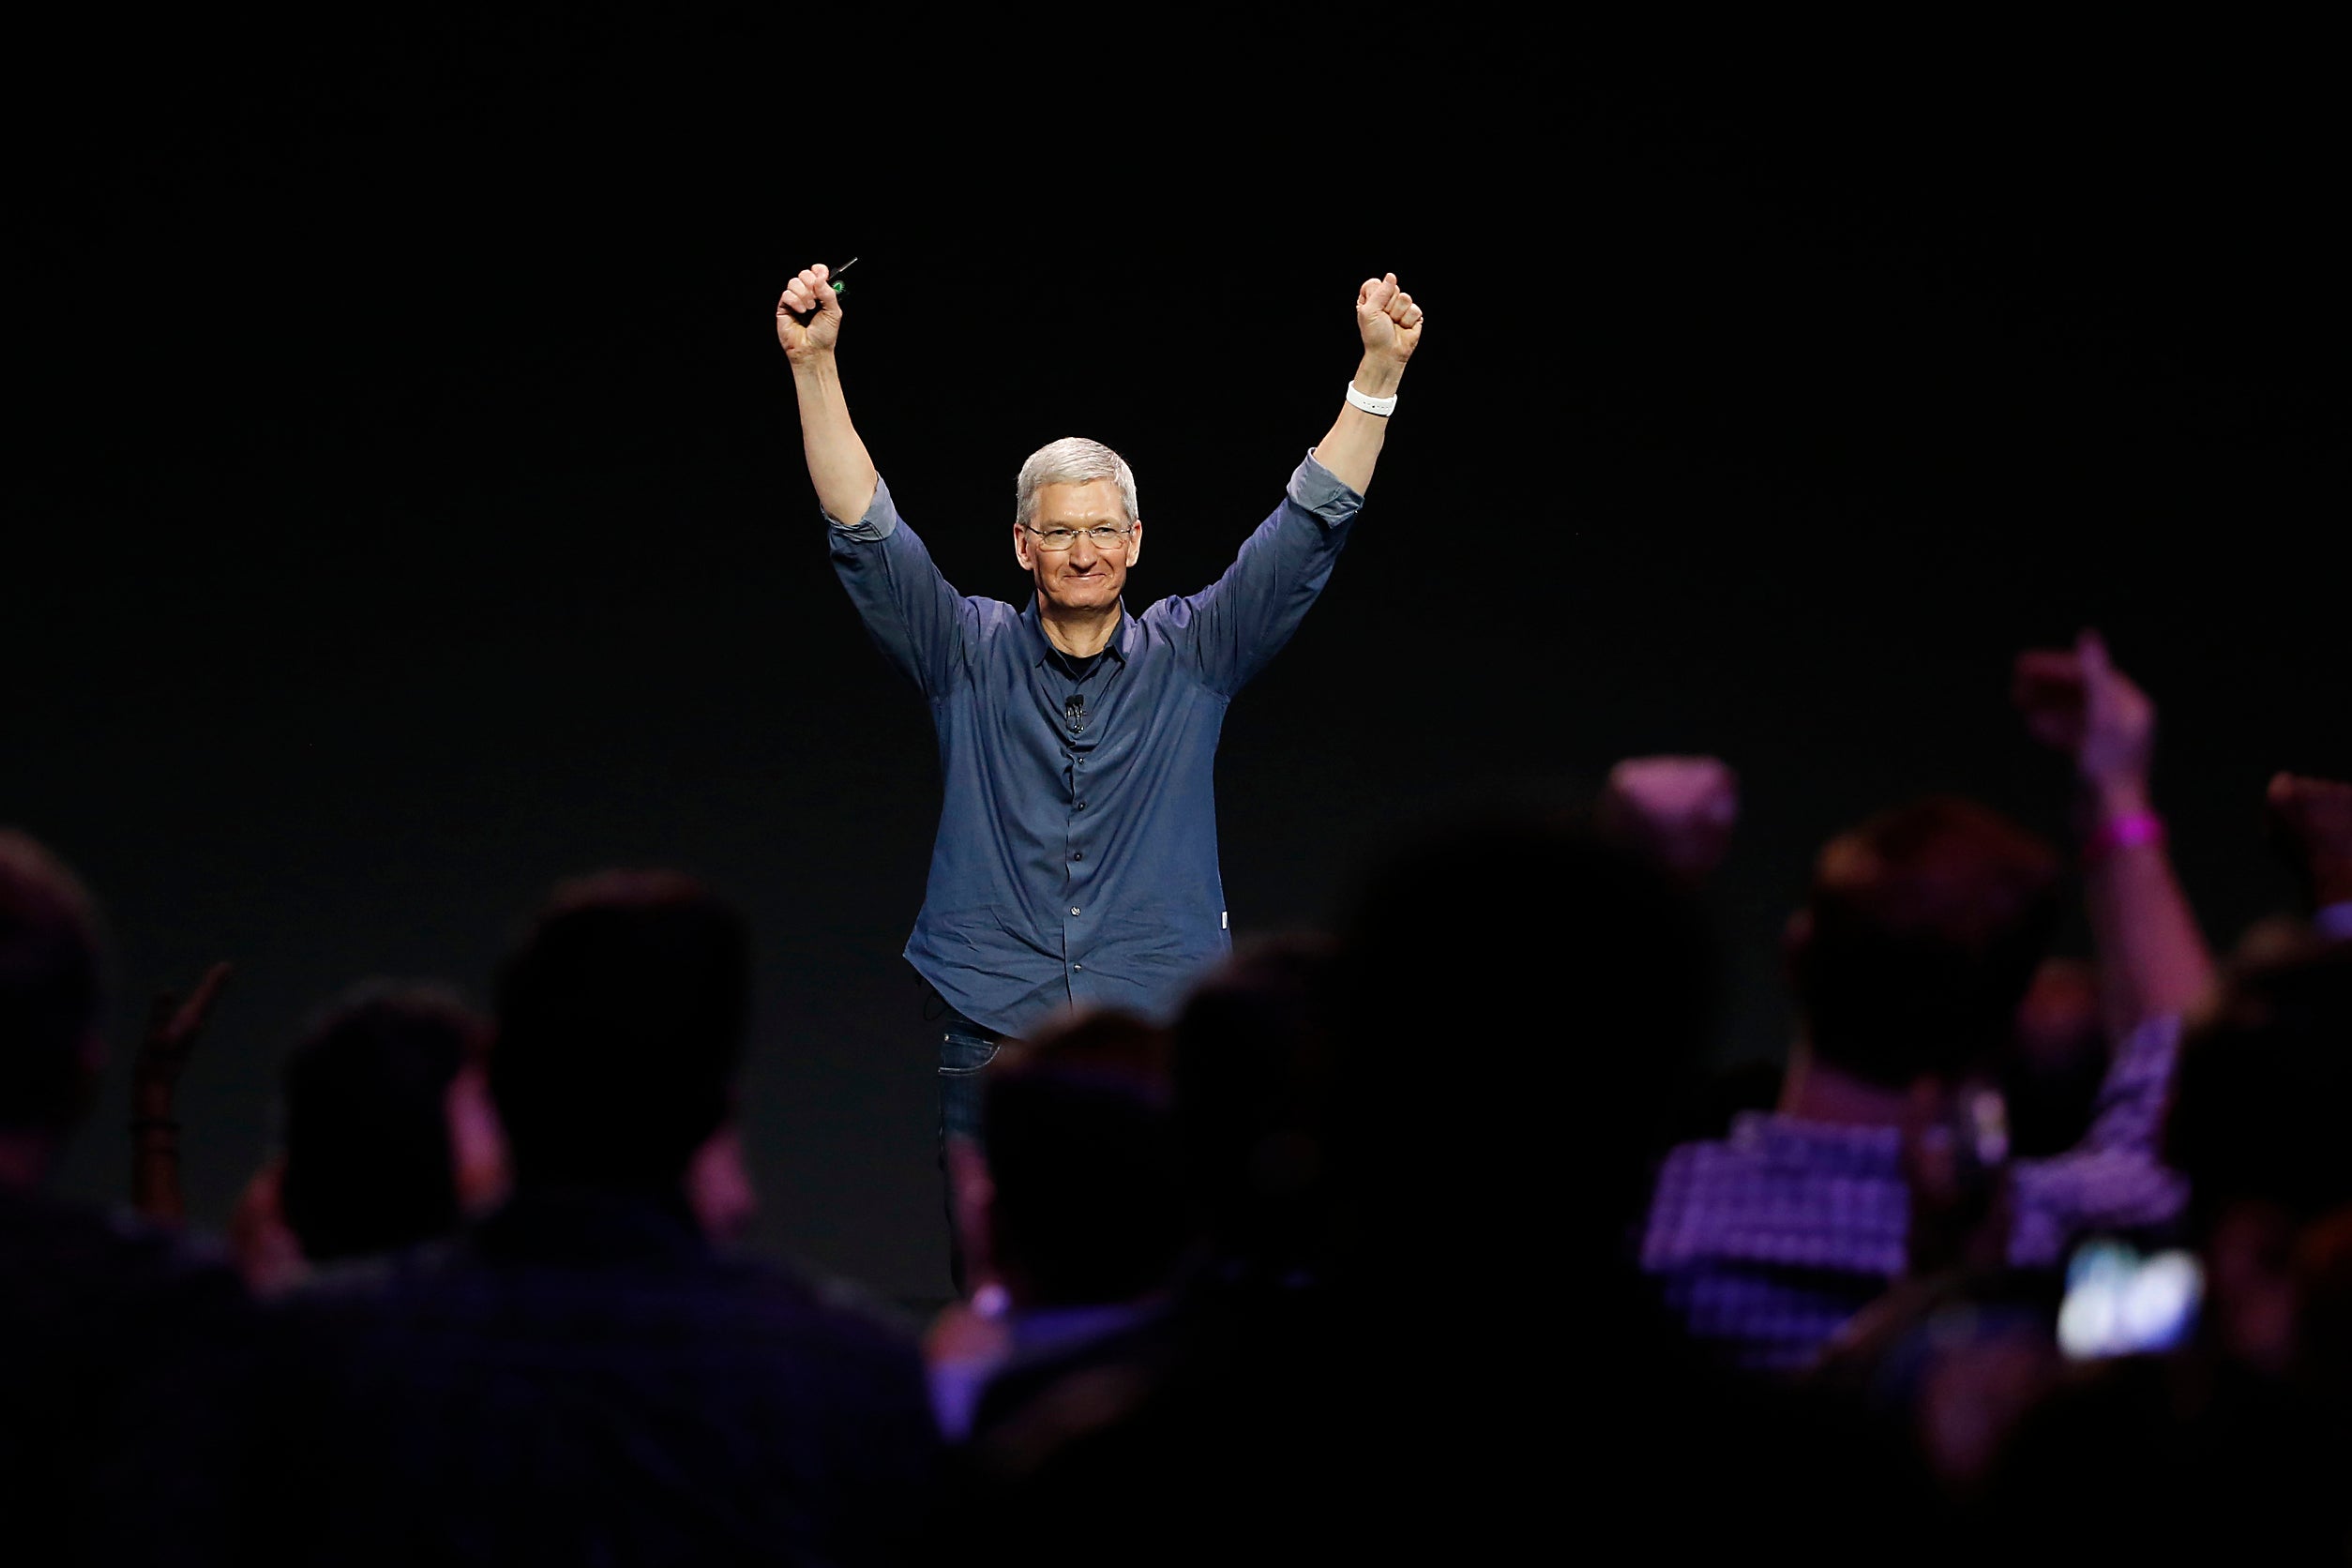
(1082, 805)
(1074, 910)
(1078, 854)
(1078, 966)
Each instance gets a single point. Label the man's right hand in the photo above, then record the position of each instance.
(808, 296)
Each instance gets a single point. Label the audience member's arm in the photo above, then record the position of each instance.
(2311, 820)
(2152, 958)
(173, 1026)
(1679, 810)
(837, 462)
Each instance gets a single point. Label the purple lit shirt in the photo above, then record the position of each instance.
(1767, 1242)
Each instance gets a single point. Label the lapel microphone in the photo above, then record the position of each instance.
(1074, 711)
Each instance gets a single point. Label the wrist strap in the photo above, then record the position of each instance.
(2126, 832)
(1382, 406)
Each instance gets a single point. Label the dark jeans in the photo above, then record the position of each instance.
(964, 1049)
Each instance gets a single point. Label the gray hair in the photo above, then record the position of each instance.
(1072, 460)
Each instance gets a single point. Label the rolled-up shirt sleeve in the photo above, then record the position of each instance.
(1239, 622)
(2114, 1179)
(911, 613)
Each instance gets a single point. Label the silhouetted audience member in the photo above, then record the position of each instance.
(1475, 1356)
(581, 1378)
(121, 1353)
(2310, 821)
(1917, 941)
(1079, 1217)
(389, 1134)
(1255, 1052)
(1250, 1180)
(1889, 1154)
(2234, 1447)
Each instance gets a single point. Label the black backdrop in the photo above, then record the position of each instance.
(405, 509)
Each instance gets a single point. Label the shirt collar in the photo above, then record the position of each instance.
(1123, 642)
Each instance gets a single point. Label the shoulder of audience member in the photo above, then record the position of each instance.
(358, 1286)
(829, 1303)
(73, 1255)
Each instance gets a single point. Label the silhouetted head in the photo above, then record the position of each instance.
(2265, 1086)
(1087, 1204)
(1253, 1083)
(371, 1160)
(1516, 997)
(51, 990)
(621, 1024)
(2257, 1125)
(1918, 940)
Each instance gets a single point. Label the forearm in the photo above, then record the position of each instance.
(155, 1153)
(838, 466)
(2152, 956)
(1353, 445)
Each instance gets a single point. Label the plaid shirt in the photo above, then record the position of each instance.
(1767, 1242)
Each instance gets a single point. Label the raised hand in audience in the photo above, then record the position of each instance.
(2152, 958)
(1679, 810)
(172, 1029)
(2077, 702)
(2311, 821)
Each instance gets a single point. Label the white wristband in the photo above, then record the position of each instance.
(1382, 406)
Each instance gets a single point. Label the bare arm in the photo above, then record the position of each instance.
(1390, 324)
(2152, 958)
(173, 1026)
(2153, 954)
(838, 466)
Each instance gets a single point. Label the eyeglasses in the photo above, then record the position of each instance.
(1104, 536)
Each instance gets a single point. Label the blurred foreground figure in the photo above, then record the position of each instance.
(1916, 943)
(2233, 1448)
(1074, 1210)
(390, 1137)
(119, 1353)
(1889, 1152)
(580, 1378)
(2311, 823)
(1418, 1163)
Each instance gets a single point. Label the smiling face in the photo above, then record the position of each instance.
(1087, 576)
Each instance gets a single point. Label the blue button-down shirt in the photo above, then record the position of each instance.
(1077, 856)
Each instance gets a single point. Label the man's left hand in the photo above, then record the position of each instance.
(1387, 320)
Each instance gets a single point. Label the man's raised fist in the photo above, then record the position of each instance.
(1387, 318)
(808, 317)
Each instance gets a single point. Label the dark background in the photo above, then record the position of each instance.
(405, 508)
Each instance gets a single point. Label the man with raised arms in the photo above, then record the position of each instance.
(1077, 855)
